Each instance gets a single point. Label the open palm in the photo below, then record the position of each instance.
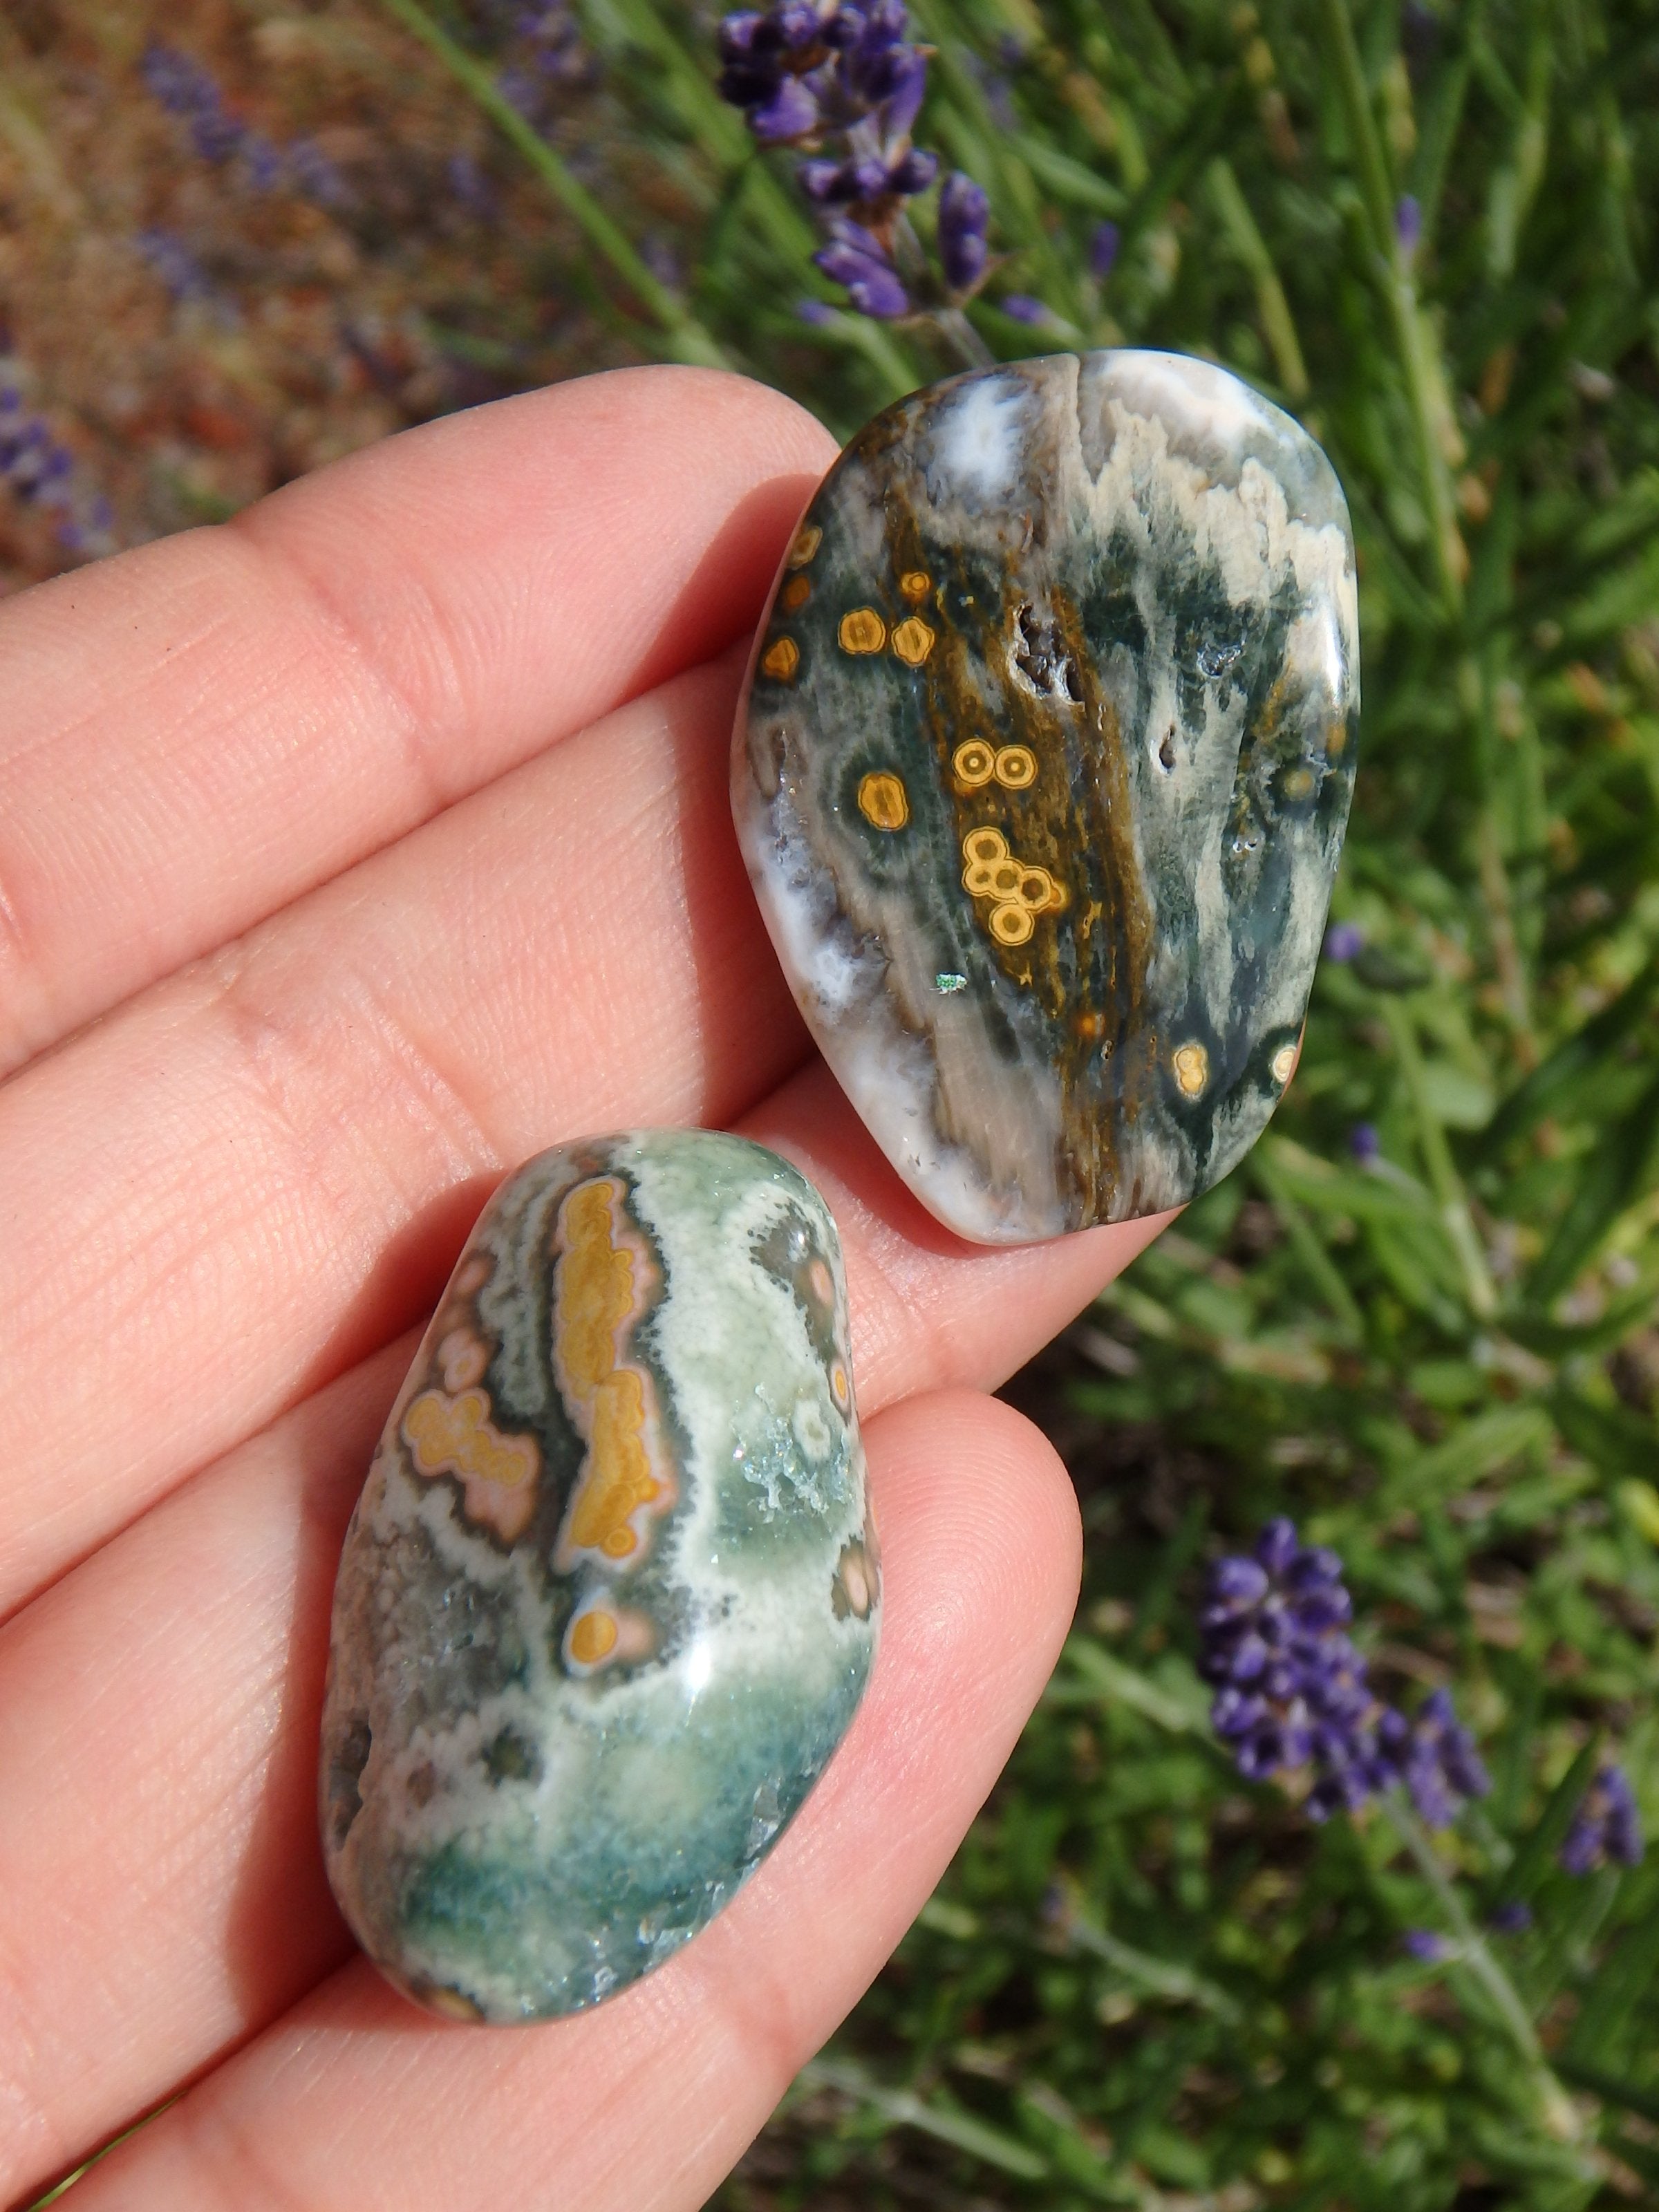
(349, 855)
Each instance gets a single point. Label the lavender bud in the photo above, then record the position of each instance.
(1234, 1712)
(1363, 1142)
(1239, 1581)
(870, 282)
(1024, 309)
(1512, 1919)
(1581, 1851)
(913, 171)
(1422, 1943)
(1343, 941)
(904, 82)
(799, 25)
(790, 112)
(822, 180)
(1103, 249)
(737, 34)
(1313, 1565)
(1408, 225)
(1276, 1546)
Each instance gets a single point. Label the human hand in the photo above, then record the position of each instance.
(349, 855)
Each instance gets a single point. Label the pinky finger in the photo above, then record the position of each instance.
(356, 2100)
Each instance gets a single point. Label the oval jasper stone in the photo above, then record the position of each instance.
(1042, 777)
(608, 1601)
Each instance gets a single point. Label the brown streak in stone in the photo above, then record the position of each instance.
(1100, 830)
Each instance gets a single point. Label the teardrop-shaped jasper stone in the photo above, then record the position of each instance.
(1042, 774)
(608, 1601)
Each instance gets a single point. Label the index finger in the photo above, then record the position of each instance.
(201, 731)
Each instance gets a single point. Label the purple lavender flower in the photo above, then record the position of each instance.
(314, 177)
(841, 79)
(1607, 1825)
(964, 214)
(187, 90)
(470, 185)
(855, 260)
(175, 265)
(1103, 249)
(1291, 1688)
(1408, 225)
(1511, 1918)
(40, 470)
(815, 313)
(1422, 1943)
(1025, 309)
(1435, 1756)
(1343, 941)
(1363, 1142)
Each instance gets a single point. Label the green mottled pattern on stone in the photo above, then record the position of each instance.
(608, 1601)
(1042, 774)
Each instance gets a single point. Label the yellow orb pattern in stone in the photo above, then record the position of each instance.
(863, 630)
(981, 847)
(780, 660)
(1192, 1068)
(807, 542)
(975, 763)
(913, 641)
(1016, 768)
(795, 593)
(915, 586)
(882, 800)
(593, 1637)
(1018, 892)
(1284, 1062)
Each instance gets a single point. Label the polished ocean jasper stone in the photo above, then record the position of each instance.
(608, 1601)
(1042, 774)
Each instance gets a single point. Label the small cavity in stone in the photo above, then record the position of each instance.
(1041, 658)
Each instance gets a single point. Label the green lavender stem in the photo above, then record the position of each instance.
(1233, 211)
(1425, 386)
(1447, 1183)
(685, 338)
(1560, 2116)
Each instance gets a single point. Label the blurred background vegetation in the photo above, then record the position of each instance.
(1422, 1317)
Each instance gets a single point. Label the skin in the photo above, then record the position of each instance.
(349, 854)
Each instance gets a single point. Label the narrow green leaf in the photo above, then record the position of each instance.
(1625, 1976)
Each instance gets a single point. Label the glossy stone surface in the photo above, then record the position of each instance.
(608, 1601)
(1042, 774)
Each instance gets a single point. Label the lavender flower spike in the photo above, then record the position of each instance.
(1436, 1759)
(1291, 1688)
(1607, 1825)
(964, 214)
(1102, 250)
